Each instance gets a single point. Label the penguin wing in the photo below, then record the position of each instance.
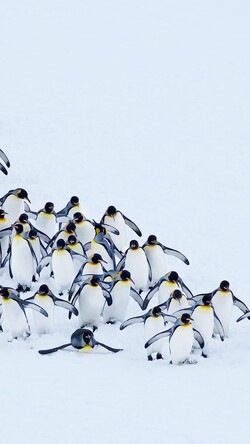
(34, 306)
(4, 158)
(244, 316)
(175, 253)
(149, 268)
(42, 235)
(6, 232)
(219, 326)
(180, 312)
(131, 225)
(149, 296)
(121, 264)
(65, 304)
(107, 296)
(4, 197)
(161, 335)
(32, 214)
(43, 262)
(198, 297)
(137, 297)
(169, 318)
(111, 229)
(114, 350)
(32, 251)
(134, 320)
(77, 256)
(53, 350)
(185, 288)
(198, 337)
(240, 304)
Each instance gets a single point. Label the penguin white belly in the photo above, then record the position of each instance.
(120, 296)
(165, 290)
(73, 210)
(90, 302)
(14, 206)
(4, 246)
(203, 317)
(152, 326)
(176, 305)
(223, 306)
(85, 232)
(92, 269)
(22, 262)
(181, 343)
(99, 249)
(14, 318)
(37, 250)
(157, 260)
(63, 269)
(136, 263)
(46, 223)
(42, 324)
(120, 240)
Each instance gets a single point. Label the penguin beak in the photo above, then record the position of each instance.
(27, 199)
(132, 281)
(102, 260)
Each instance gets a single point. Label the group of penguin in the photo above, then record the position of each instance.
(95, 271)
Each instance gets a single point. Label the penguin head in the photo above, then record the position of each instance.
(78, 217)
(177, 295)
(95, 258)
(43, 289)
(23, 218)
(173, 276)
(125, 274)
(70, 227)
(95, 280)
(49, 207)
(60, 244)
(134, 244)
(87, 335)
(156, 311)
(152, 239)
(72, 239)
(4, 292)
(33, 234)
(185, 318)
(74, 200)
(99, 228)
(2, 214)
(111, 211)
(22, 194)
(18, 228)
(224, 285)
(207, 299)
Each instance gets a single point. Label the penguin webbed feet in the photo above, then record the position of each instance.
(150, 358)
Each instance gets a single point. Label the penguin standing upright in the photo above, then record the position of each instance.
(46, 219)
(76, 246)
(85, 230)
(117, 219)
(14, 203)
(4, 241)
(176, 301)
(181, 338)
(72, 207)
(102, 244)
(136, 262)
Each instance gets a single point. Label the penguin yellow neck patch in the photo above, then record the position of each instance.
(86, 349)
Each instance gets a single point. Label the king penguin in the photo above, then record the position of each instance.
(14, 203)
(45, 219)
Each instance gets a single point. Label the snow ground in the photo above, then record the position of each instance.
(143, 105)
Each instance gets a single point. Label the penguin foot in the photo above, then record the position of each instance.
(140, 291)
(34, 279)
(150, 358)
(204, 355)
(94, 328)
(190, 361)
(19, 288)
(111, 321)
(159, 356)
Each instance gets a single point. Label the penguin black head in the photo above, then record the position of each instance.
(173, 276)
(111, 210)
(224, 285)
(49, 207)
(185, 318)
(60, 244)
(70, 227)
(78, 217)
(72, 239)
(96, 258)
(99, 228)
(4, 292)
(87, 335)
(125, 274)
(177, 295)
(23, 218)
(18, 228)
(43, 289)
(152, 239)
(74, 200)
(156, 311)
(95, 281)
(32, 234)
(134, 244)
(2, 214)
(22, 194)
(207, 299)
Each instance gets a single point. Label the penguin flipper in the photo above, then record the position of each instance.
(121, 264)
(244, 316)
(6, 232)
(53, 350)
(67, 305)
(43, 262)
(111, 229)
(175, 253)
(113, 350)
(4, 158)
(240, 304)
(198, 337)
(149, 296)
(180, 312)
(130, 321)
(169, 318)
(137, 297)
(132, 225)
(32, 214)
(219, 327)
(198, 297)
(185, 288)
(107, 296)
(3, 169)
(35, 307)
(160, 335)
(44, 237)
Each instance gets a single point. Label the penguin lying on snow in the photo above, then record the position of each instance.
(83, 340)
(6, 161)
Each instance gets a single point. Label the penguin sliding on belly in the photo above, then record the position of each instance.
(82, 340)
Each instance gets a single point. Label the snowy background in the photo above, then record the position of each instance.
(143, 105)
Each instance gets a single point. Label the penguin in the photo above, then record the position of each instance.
(15, 319)
(165, 286)
(156, 252)
(64, 233)
(85, 230)
(181, 338)
(6, 161)
(176, 301)
(46, 219)
(103, 245)
(14, 203)
(223, 300)
(154, 321)
(62, 264)
(117, 219)
(4, 241)
(76, 246)
(91, 296)
(72, 207)
(120, 291)
(82, 340)
(136, 262)
(47, 300)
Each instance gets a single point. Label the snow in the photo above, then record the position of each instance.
(145, 106)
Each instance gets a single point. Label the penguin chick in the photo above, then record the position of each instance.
(82, 340)
(181, 338)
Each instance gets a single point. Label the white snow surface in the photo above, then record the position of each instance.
(143, 105)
